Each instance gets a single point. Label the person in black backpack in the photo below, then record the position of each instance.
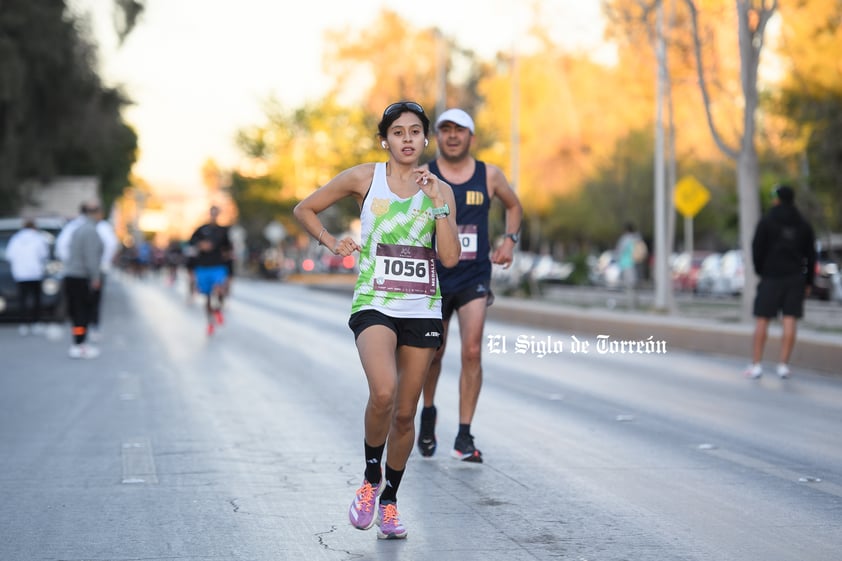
(784, 258)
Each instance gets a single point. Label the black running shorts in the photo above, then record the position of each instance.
(411, 332)
(784, 295)
(454, 301)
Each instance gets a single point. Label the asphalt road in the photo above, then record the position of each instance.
(248, 446)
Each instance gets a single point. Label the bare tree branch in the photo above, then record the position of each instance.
(729, 151)
(125, 17)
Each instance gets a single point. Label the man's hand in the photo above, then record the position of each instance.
(504, 254)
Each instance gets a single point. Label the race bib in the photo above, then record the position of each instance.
(468, 240)
(405, 268)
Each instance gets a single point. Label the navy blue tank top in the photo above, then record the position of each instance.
(472, 206)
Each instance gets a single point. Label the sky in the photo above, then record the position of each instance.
(199, 70)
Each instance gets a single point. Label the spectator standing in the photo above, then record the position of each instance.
(62, 247)
(110, 245)
(628, 252)
(82, 275)
(27, 252)
(784, 258)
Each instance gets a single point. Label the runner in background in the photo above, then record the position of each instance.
(212, 251)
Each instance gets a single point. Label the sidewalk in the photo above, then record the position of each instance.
(814, 350)
(695, 328)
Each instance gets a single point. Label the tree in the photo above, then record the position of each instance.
(810, 100)
(356, 57)
(126, 16)
(752, 18)
(56, 117)
(296, 152)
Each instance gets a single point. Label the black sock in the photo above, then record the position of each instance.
(393, 481)
(373, 456)
(427, 411)
(464, 429)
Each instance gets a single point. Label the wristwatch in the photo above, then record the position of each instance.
(441, 211)
(515, 237)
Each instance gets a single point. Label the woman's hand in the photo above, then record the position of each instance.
(429, 184)
(345, 246)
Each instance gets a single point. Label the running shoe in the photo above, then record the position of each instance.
(218, 316)
(783, 371)
(389, 525)
(465, 450)
(83, 351)
(210, 329)
(753, 371)
(427, 433)
(362, 511)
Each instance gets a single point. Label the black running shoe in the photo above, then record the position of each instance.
(465, 450)
(427, 433)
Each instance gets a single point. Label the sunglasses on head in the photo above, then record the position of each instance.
(402, 106)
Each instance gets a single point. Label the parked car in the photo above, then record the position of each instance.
(685, 270)
(733, 273)
(605, 271)
(722, 274)
(507, 280)
(547, 270)
(708, 277)
(52, 295)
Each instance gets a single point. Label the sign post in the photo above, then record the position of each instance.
(690, 197)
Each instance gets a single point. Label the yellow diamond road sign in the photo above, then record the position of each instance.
(690, 196)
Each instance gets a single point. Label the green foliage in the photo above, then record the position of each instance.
(258, 204)
(302, 150)
(818, 114)
(586, 147)
(56, 117)
(580, 274)
(619, 190)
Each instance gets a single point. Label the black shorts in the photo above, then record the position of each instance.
(454, 301)
(784, 295)
(411, 332)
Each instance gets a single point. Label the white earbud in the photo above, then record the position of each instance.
(384, 145)
(426, 142)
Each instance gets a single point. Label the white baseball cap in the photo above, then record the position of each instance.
(456, 116)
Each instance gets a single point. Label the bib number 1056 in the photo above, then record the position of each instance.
(403, 268)
(408, 269)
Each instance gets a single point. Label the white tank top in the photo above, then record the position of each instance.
(397, 261)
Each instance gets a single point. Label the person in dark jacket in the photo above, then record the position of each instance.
(784, 258)
(213, 250)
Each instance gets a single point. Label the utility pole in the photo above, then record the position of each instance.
(661, 248)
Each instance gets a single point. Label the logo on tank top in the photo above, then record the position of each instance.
(379, 207)
(474, 198)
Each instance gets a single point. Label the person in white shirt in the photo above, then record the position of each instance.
(110, 245)
(27, 252)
